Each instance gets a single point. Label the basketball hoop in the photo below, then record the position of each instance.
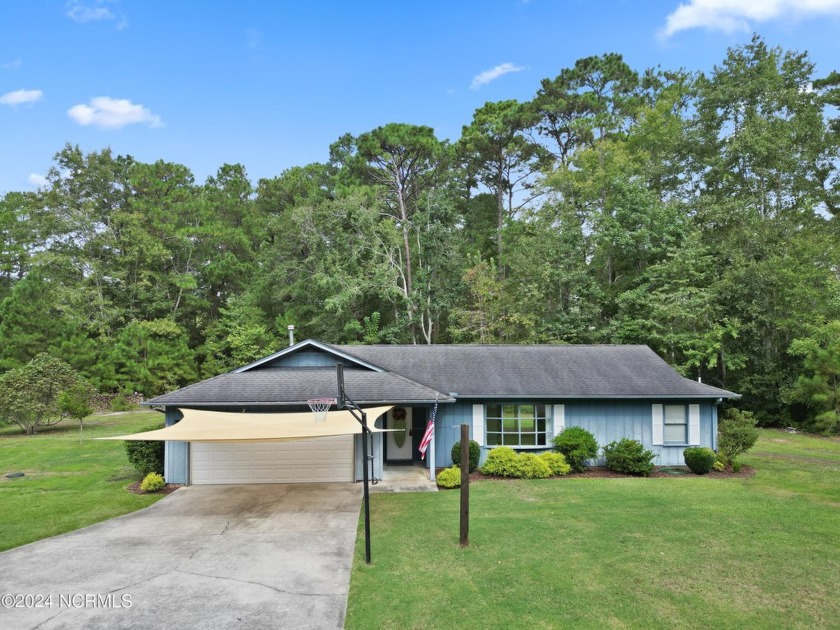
(320, 407)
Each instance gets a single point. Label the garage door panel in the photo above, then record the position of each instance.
(319, 460)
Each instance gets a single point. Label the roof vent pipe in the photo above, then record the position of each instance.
(291, 328)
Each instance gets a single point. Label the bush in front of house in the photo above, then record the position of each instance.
(449, 477)
(577, 445)
(629, 457)
(699, 459)
(501, 461)
(530, 466)
(556, 463)
(146, 456)
(475, 454)
(152, 482)
(736, 435)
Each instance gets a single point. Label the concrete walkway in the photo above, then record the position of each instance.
(251, 556)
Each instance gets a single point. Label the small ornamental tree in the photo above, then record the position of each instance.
(75, 402)
(736, 435)
(475, 454)
(29, 395)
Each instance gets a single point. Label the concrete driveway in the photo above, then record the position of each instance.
(252, 556)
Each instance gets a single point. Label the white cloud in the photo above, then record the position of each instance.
(14, 64)
(113, 113)
(21, 96)
(739, 15)
(37, 180)
(95, 11)
(491, 75)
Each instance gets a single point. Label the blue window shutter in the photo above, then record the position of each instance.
(478, 424)
(657, 437)
(694, 425)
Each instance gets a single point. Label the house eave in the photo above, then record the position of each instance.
(596, 396)
(245, 403)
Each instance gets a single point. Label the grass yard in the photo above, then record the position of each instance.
(67, 485)
(683, 552)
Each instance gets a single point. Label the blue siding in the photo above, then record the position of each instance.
(305, 358)
(609, 421)
(176, 467)
(606, 420)
(450, 417)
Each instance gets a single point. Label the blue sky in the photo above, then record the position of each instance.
(272, 84)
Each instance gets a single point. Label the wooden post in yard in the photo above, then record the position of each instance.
(465, 485)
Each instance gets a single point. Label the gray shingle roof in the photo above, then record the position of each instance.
(296, 386)
(594, 371)
(415, 374)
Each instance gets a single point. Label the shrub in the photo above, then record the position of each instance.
(530, 466)
(146, 457)
(500, 461)
(699, 459)
(719, 466)
(577, 445)
(629, 457)
(556, 463)
(475, 454)
(121, 403)
(152, 482)
(736, 435)
(449, 477)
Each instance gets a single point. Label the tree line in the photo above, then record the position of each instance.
(695, 213)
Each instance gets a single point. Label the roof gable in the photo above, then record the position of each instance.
(308, 353)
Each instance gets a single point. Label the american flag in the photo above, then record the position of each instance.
(430, 432)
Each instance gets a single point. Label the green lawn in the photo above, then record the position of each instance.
(67, 485)
(683, 552)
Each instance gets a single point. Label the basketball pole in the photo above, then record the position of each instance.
(343, 402)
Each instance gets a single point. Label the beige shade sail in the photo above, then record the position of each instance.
(225, 426)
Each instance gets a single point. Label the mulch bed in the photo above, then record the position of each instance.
(603, 472)
(167, 489)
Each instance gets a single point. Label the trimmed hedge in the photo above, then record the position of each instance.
(629, 457)
(577, 445)
(449, 477)
(503, 461)
(699, 459)
(146, 457)
(475, 454)
(152, 482)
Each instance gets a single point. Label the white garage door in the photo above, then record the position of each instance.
(322, 459)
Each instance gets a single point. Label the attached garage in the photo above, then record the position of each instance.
(214, 447)
(319, 460)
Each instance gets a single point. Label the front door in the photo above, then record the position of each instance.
(398, 441)
(418, 428)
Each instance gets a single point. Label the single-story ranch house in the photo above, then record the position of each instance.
(513, 395)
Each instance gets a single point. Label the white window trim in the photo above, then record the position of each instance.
(685, 411)
(549, 410)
